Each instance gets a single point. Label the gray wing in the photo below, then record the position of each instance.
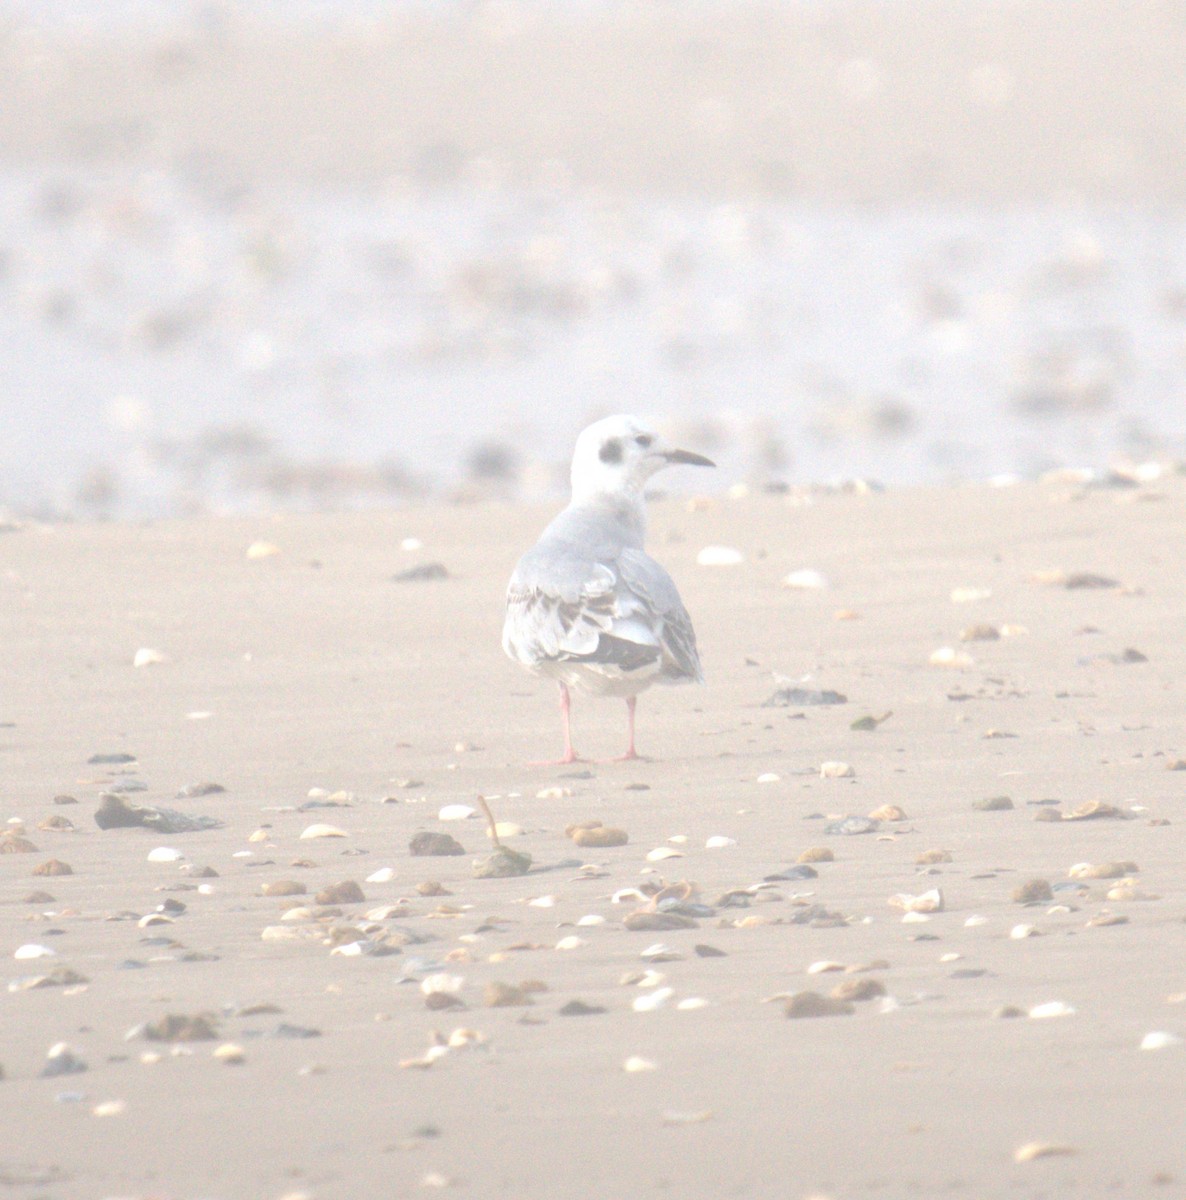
(620, 616)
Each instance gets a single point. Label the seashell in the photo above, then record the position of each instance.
(1020, 932)
(888, 812)
(914, 918)
(719, 842)
(33, 950)
(660, 952)
(836, 770)
(572, 942)
(109, 1108)
(542, 902)
(653, 1000)
(591, 919)
(1052, 1008)
(11, 843)
(806, 579)
(927, 902)
(1106, 918)
(814, 854)
(230, 1053)
(1108, 870)
(601, 837)
(322, 831)
(719, 556)
(947, 656)
(691, 1003)
(1128, 890)
(145, 657)
(813, 1004)
(441, 982)
(768, 777)
(456, 812)
(1033, 1150)
(969, 595)
(153, 919)
(974, 920)
(636, 1063)
(165, 854)
(931, 857)
(824, 965)
(1159, 1040)
(858, 990)
(553, 793)
(663, 852)
(642, 979)
(1033, 891)
(382, 875)
(507, 829)
(258, 550)
(1092, 810)
(301, 913)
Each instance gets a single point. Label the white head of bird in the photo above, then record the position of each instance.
(619, 454)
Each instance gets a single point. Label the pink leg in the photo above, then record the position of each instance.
(630, 750)
(570, 755)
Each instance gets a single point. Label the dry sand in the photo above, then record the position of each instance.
(316, 670)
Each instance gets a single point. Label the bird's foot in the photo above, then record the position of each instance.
(567, 760)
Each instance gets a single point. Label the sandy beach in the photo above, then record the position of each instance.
(314, 688)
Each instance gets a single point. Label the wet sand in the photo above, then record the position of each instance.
(313, 669)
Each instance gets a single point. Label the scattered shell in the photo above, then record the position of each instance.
(814, 1004)
(600, 837)
(33, 950)
(1021, 932)
(572, 942)
(1052, 1008)
(888, 812)
(636, 1063)
(719, 556)
(165, 854)
(814, 854)
(931, 857)
(456, 812)
(1108, 870)
(1033, 891)
(653, 1000)
(231, 1054)
(259, 550)
(928, 902)
(836, 770)
(1160, 1040)
(691, 1003)
(382, 875)
(805, 578)
(53, 866)
(109, 1108)
(1033, 1150)
(719, 842)
(553, 793)
(969, 595)
(346, 892)
(322, 831)
(858, 990)
(768, 777)
(1092, 810)
(282, 887)
(663, 852)
(145, 657)
(948, 656)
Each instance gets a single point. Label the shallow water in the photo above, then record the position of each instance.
(179, 342)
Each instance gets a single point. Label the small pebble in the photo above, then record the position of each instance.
(814, 1004)
(1033, 891)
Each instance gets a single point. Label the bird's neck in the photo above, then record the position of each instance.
(626, 508)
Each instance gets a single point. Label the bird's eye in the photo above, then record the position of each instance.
(643, 440)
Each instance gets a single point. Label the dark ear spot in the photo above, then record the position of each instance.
(611, 451)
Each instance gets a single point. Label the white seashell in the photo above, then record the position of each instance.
(927, 902)
(636, 1063)
(591, 919)
(153, 919)
(316, 793)
(456, 812)
(652, 1001)
(975, 920)
(719, 842)
(382, 875)
(805, 578)
(947, 656)
(262, 550)
(384, 912)
(411, 544)
(205, 889)
(769, 777)
(553, 793)
(719, 556)
(542, 902)
(349, 950)
(622, 895)
(680, 839)
(1020, 932)
(165, 854)
(950, 957)
(836, 770)
(109, 1108)
(508, 829)
(661, 952)
(914, 918)
(888, 1004)
(145, 657)
(826, 964)
(1052, 1008)
(572, 942)
(322, 831)
(32, 950)
(301, 913)
(199, 715)
(230, 1053)
(691, 1002)
(243, 854)
(1159, 1040)
(662, 852)
(969, 595)
(462, 1037)
(450, 985)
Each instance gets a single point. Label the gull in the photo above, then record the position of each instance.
(587, 606)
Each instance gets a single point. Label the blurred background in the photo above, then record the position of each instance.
(257, 256)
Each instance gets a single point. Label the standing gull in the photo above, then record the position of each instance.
(587, 606)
